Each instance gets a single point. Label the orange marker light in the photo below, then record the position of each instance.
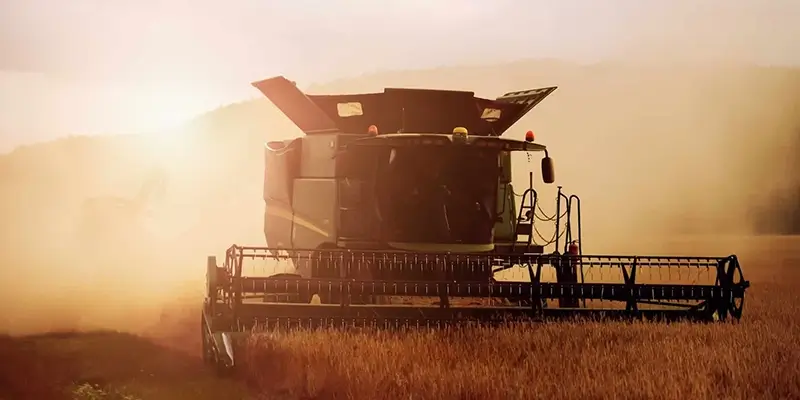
(372, 130)
(529, 136)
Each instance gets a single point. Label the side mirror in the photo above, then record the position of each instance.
(548, 173)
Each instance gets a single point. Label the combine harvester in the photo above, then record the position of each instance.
(397, 209)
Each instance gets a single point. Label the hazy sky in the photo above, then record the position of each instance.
(95, 66)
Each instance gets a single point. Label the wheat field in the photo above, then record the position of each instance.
(758, 357)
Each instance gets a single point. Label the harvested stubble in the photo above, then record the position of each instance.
(758, 357)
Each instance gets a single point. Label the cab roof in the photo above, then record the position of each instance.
(398, 110)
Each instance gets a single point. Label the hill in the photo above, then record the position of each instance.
(651, 151)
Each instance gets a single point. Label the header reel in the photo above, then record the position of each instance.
(360, 292)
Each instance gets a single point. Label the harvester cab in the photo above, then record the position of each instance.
(398, 208)
(406, 169)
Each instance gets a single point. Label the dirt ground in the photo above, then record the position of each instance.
(758, 357)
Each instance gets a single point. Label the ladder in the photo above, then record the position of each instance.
(526, 217)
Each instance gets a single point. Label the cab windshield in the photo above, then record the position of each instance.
(437, 194)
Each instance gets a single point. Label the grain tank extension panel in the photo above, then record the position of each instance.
(400, 110)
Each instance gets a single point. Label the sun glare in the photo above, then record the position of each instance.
(162, 107)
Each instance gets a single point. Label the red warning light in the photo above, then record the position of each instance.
(372, 130)
(529, 136)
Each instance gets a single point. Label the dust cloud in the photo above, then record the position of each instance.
(143, 264)
(654, 151)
